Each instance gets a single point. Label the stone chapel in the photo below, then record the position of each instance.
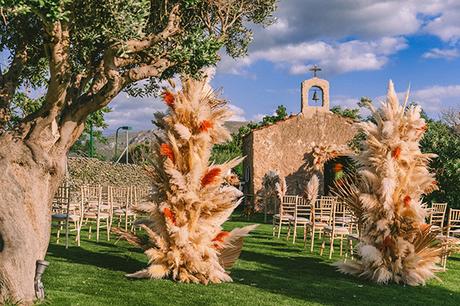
(285, 146)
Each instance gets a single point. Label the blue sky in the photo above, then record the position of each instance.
(360, 44)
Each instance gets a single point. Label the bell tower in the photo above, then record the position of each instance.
(315, 93)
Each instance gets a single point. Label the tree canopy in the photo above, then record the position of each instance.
(85, 52)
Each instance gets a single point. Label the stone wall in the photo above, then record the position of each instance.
(92, 171)
(283, 147)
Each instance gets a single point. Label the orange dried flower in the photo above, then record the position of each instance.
(388, 241)
(407, 200)
(210, 176)
(396, 152)
(424, 128)
(338, 167)
(424, 226)
(221, 236)
(168, 98)
(165, 150)
(169, 215)
(206, 125)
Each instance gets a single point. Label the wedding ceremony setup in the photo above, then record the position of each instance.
(208, 152)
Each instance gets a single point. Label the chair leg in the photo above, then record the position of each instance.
(98, 224)
(58, 232)
(323, 245)
(304, 236)
(108, 229)
(341, 245)
(312, 244)
(126, 222)
(89, 231)
(331, 244)
(78, 233)
(295, 232)
(289, 231)
(350, 244)
(279, 228)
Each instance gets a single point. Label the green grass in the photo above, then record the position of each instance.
(269, 272)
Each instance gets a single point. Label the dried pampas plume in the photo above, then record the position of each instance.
(191, 198)
(311, 190)
(386, 196)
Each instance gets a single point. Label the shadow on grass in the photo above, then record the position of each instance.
(313, 280)
(102, 259)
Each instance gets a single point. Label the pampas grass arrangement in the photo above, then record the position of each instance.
(191, 198)
(386, 196)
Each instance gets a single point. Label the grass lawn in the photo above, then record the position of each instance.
(269, 272)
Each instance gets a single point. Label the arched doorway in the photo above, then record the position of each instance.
(335, 169)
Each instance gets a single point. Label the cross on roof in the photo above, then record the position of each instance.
(315, 69)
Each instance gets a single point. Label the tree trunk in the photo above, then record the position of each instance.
(28, 185)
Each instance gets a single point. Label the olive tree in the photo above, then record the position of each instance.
(82, 53)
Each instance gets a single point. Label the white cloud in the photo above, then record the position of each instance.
(352, 55)
(238, 113)
(446, 26)
(345, 36)
(442, 53)
(433, 99)
(258, 117)
(133, 111)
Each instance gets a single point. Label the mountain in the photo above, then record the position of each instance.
(107, 150)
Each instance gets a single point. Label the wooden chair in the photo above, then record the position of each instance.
(437, 215)
(338, 229)
(286, 213)
(453, 223)
(320, 217)
(451, 242)
(120, 199)
(302, 215)
(97, 208)
(354, 236)
(64, 210)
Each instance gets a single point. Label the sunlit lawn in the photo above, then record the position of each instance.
(269, 272)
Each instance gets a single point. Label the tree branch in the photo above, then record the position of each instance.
(41, 127)
(9, 82)
(137, 45)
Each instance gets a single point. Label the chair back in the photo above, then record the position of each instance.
(302, 209)
(288, 205)
(453, 224)
(326, 206)
(61, 200)
(91, 198)
(341, 215)
(119, 197)
(438, 213)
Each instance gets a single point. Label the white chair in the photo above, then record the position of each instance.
(121, 199)
(320, 217)
(338, 229)
(301, 218)
(451, 242)
(64, 210)
(96, 209)
(437, 216)
(286, 213)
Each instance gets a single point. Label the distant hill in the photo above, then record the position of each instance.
(107, 150)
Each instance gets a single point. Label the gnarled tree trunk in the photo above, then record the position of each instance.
(27, 188)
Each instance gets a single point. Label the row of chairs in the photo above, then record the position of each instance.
(95, 206)
(328, 218)
(437, 218)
